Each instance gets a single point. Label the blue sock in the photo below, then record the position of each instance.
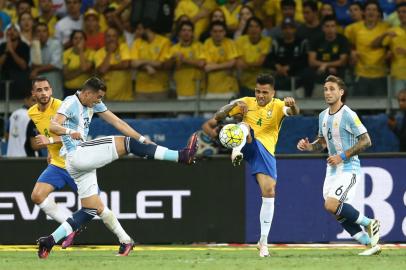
(348, 212)
(362, 238)
(150, 151)
(350, 227)
(73, 223)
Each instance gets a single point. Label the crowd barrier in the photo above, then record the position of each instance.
(162, 202)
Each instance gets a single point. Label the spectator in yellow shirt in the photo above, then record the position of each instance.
(395, 39)
(187, 58)
(231, 11)
(221, 56)
(198, 11)
(148, 55)
(370, 66)
(77, 63)
(113, 62)
(47, 15)
(253, 48)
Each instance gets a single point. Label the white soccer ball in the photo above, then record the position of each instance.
(231, 136)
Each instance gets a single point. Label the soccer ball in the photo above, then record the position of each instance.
(231, 136)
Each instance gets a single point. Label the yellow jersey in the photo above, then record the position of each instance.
(371, 62)
(265, 121)
(42, 121)
(221, 81)
(251, 53)
(71, 60)
(157, 50)
(231, 17)
(398, 63)
(191, 9)
(185, 76)
(118, 82)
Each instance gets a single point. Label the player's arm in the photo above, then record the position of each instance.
(43, 141)
(317, 146)
(291, 106)
(122, 126)
(57, 128)
(364, 141)
(209, 127)
(225, 110)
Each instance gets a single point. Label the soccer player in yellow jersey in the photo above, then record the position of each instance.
(55, 176)
(262, 118)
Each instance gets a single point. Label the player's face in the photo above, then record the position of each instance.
(91, 98)
(402, 101)
(42, 92)
(332, 93)
(264, 94)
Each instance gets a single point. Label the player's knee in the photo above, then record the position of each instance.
(268, 192)
(331, 206)
(37, 197)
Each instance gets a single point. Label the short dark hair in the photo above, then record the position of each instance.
(94, 84)
(311, 4)
(187, 23)
(328, 18)
(40, 24)
(288, 3)
(376, 3)
(341, 84)
(218, 23)
(39, 79)
(77, 31)
(265, 78)
(357, 4)
(253, 19)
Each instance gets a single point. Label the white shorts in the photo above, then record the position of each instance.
(341, 186)
(83, 162)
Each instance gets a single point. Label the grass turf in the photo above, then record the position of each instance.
(205, 258)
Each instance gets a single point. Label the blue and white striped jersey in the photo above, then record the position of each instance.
(78, 118)
(340, 130)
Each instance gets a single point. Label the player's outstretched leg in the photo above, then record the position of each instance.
(236, 155)
(153, 151)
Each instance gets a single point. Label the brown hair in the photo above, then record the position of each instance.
(341, 84)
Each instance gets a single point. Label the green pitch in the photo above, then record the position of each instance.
(190, 257)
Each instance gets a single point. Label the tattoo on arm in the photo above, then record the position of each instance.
(223, 112)
(318, 145)
(364, 141)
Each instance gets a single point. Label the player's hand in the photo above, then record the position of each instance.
(289, 102)
(334, 160)
(49, 159)
(243, 107)
(41, 140)
(304, 145)
(76, 135)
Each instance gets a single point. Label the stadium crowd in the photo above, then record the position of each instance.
(214, 48)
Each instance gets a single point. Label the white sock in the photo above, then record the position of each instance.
(265, 218)
(246, 132)
(51, 209)
(114, 225)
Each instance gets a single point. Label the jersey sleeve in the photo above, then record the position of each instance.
(31, 130)
(100, 107)
(236, 110)
(354, 124)
(67, 108)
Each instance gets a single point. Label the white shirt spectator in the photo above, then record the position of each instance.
(18, 133)
(65, 26)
